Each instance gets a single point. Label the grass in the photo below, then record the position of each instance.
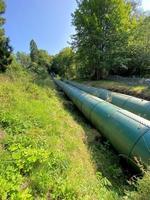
(49, 151)
(141, 91)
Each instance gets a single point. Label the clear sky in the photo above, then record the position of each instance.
(48, 22)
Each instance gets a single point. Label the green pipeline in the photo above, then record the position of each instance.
(136, 105)
(127, 132)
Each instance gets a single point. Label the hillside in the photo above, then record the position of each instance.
(48, 150)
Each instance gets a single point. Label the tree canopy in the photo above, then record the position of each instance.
(40, 59)
(139, 49)
(64, 63)
(33, 51)
(5, 48)
(102, 31)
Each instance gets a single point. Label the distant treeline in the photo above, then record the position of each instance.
(112, 37)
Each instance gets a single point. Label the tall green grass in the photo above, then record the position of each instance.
(47, 151)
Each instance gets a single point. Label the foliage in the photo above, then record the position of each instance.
(33, 51)
(5, 48)
(112, 37)
(142, 189)
(102, 32)
(64, 63)
(16, 71)
(40, 60)
(139, 49)
(44, 58)
(23, 59)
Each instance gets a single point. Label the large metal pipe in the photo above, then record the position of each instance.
(136, 105)
(127, 132)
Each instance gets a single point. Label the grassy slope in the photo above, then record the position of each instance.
(141, 91)
(48, 150)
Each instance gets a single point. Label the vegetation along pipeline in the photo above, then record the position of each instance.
(135, 105)
(128, 133)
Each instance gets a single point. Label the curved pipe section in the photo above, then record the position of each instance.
(127, 132)
(136, 105)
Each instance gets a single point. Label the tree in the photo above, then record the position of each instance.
(33, 51)
(139, 49)
(40, 60)
(64, 63)
(44, 59)
(5, 48)
(24, 59)
(102, 31)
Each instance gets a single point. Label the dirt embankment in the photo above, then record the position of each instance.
(137, 90)
(141, 95)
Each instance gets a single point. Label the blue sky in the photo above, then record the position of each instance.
(48, 22)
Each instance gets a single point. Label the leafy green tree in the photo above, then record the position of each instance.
(5, 48)
(102, 31)
(33, 51)
(44, 59)
(64, 63)
(24, 59)
(139, 49)
(41, 67)
(40, 60)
